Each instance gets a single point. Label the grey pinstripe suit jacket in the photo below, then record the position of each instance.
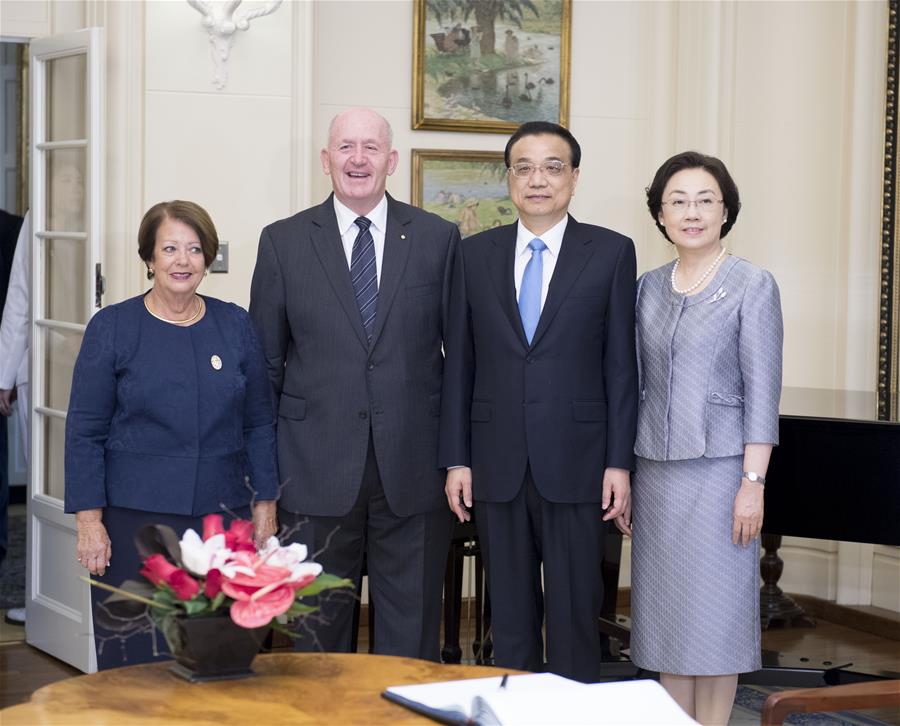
(709, 364)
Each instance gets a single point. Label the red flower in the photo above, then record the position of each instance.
(157, 569)
(185, 586)
(239, 536)
(213, 583)
(212, 524)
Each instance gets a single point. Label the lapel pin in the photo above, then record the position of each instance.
(402, 236)
(216, 362)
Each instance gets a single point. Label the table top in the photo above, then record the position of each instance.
(296, 688)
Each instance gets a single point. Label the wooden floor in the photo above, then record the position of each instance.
(24, 669)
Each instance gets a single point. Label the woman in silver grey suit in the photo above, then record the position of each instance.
(709, 339)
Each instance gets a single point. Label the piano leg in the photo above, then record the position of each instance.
(776, 608)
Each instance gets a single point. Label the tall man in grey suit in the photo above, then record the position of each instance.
(540, 404)
(350, 299)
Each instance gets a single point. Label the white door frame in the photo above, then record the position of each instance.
(58, 603)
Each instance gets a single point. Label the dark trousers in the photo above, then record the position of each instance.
(129, 641)
(405, 561)
(516, 538)
(4, 490)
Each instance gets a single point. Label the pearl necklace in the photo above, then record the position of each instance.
(702, 277)
(177, 322)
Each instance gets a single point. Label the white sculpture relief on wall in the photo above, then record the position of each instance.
(221, 21)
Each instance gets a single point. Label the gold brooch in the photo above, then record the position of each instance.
(216, 362)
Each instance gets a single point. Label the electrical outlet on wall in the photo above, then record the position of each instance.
(220, 264)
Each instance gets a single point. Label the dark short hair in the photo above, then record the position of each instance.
(193, 215)
(694, 160)
(537, 128)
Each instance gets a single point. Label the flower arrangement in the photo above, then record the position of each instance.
(222, 571)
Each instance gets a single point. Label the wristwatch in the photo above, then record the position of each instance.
(753, 476)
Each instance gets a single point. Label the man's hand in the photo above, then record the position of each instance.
(265, 522)
(617, 498)
(92, 548)
(7, 396)
(459, 491)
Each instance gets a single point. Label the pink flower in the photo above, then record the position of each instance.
(239, 536)
(185, 586)
(213, 583)
(212, 524)
(157, 569)
(261, 596)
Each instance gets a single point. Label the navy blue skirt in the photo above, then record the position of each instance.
(130, 641)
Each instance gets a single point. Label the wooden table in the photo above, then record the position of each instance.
(295, 688)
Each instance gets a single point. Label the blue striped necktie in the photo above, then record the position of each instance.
(364, 275)
(530, 289)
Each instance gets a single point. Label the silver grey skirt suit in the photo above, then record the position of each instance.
(710, 382)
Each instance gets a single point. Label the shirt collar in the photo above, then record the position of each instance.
(553, 237)
(346, 217)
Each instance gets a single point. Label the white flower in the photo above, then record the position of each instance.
(198, 555)
(291, 557)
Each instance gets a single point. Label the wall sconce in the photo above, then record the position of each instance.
(221, 20)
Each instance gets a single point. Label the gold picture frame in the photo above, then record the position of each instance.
(490, 65)
(467, 188)
(888, 384)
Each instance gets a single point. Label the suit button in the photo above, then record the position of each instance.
(371, 366)
(364, 414)
(529, 360)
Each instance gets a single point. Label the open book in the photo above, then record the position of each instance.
(541, 698)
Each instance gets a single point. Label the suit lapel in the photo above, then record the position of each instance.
(326, 240)
(501, 264)
(397, 241)
(574, 254)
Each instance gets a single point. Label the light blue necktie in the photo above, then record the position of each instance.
(530, 289)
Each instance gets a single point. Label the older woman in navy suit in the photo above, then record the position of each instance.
(709, 339)
(170, 418)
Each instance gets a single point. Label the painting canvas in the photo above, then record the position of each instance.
(490, 65)
(467, 188)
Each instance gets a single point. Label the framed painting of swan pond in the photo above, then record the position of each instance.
(467, 188)
(490, 65)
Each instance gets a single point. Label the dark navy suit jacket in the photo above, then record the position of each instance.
(153, 425)
(567, 403)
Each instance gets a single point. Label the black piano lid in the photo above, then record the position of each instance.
(836, 473)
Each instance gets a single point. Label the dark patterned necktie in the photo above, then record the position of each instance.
(364, 275)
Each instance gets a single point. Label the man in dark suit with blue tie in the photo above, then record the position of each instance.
(350, 299)
(540, 404)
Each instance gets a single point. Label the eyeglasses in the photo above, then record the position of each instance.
(704, 205)
(526, 168)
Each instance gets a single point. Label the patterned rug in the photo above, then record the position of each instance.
(748, 704)
(12, 571)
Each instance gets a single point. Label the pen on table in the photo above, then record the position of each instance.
(504, 680)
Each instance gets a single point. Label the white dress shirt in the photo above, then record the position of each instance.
(553, 238)
(346, 220)
(14, 328)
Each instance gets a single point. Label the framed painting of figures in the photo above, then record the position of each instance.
(467, 188)
(490, 65)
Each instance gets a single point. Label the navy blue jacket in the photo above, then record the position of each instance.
(154, 426)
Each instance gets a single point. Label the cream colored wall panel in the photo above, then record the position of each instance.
(25, 18)
(886, 578)
(611, 182)
(67, 15)
(178, 52)
(364, 54)
(809, 572)
(229, 154)
(610, 59)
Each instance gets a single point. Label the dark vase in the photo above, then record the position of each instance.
(212, 647)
